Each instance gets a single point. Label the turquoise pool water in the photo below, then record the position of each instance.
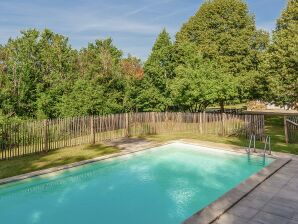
(164, 185)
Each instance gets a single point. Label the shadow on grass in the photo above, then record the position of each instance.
(53, 158)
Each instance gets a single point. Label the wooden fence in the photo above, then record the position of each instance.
(291, 129)
(30, 137)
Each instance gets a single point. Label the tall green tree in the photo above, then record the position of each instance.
(157, 69)
(36, 68)
(198, 82)
(224, 31)
(20, 74)
(58, 69)
(100, 86)
(133, 74)
(282, 60)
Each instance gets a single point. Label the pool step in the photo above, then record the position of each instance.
(256, 160)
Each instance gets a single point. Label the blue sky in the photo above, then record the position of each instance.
(132, 24)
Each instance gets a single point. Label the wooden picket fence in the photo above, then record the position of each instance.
(30, 137)
(291, 129)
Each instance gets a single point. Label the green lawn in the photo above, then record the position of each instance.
(274, 128)
(54, 158)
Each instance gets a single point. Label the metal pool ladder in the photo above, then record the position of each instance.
(252, 141)
(267, 146)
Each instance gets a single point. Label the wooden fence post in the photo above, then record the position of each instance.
(153, 123)
(286, 130)
(204, 122)
(127, 125)
(223, 124)
(46, 135)
(261, 126)
(92, 130)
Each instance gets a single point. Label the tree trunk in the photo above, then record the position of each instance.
(222, 106)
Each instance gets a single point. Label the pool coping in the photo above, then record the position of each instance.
(204, 216)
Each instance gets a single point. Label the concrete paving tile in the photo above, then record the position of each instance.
(284, 202)
(288, 194)
(254, 203)
(291, 172)
(280, 210)
(260, 196)
(267, 218)
(258, 192)
(292, 164)
(266, 187)
(295, 216)
(230, 219)
(243, 211)
(280, 177)
(276, 181)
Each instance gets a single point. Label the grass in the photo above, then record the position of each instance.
(274, 128)
(53, 158)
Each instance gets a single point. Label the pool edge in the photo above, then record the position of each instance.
(217, 208)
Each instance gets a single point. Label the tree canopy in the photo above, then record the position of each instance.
(224, 31)
(282, 58)
(218, 57)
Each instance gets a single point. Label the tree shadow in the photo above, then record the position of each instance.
(53, 158)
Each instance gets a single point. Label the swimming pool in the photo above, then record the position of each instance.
(163, 185)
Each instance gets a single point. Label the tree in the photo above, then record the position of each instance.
(100, 86)
(36, 69)
(157, 71)
(85, 98)
(282, 59)
(224, 31)
(57, 63)
(20, 74)
(133, 73)
(198, 82)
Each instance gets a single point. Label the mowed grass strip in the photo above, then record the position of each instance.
(30, 163)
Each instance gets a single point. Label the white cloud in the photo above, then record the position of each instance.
(146, 7)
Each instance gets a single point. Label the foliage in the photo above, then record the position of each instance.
(35, 65)
(224, 31)
(100, 89)
(198, 82)
(282, 60)
(218, 57)
(133, 74)
(154, 95)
